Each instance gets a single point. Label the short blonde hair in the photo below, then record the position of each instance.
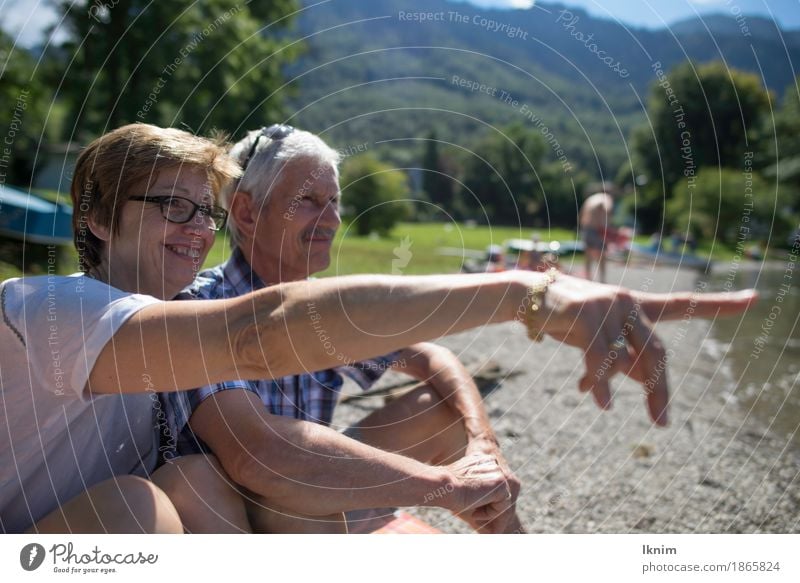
(114, 163)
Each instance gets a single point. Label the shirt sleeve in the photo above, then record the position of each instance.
(180, 405)
(178, 438)
(366, 372)
(64, 323)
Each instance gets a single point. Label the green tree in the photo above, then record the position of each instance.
(700, 116)
(787, 123)
(206, 64)
(727, 205)
(374, 195)
(500, 179)
(561, 200)
(783, 155)
(24, 100)
(436, 179)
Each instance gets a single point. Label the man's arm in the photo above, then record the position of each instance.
(443, 371)
(309, 468)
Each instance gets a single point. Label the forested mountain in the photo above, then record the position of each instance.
(395, 70)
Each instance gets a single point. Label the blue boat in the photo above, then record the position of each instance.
(32, 219)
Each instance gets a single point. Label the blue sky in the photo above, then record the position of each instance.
(26, 19)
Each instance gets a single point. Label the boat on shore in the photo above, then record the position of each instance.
(513, 254)
(29, 218)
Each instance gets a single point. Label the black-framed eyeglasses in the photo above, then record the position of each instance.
(177, 209)
(274, 132)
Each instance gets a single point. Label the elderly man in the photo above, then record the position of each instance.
(433, 447)
(284, 216)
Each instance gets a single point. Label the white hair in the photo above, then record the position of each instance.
(264, 169)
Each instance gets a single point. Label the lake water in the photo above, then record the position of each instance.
(761, 351)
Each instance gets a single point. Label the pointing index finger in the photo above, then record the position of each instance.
(673, 306)
(652, 359)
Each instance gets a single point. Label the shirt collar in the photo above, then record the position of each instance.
(238, 272)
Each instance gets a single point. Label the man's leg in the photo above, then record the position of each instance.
(265, 517)
(207, 500)
(601, 266)
(121, 505)
(587, 246)
(422, 426)
(589, 274)
(418, 425)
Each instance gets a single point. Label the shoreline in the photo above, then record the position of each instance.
(712, 470)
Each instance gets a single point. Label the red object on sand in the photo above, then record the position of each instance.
(404, 523)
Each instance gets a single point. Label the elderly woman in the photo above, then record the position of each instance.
(82, 355)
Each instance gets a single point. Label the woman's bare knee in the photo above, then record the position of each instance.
(125, 504)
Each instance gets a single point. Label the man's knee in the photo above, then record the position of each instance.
(423, 401)
(430, 404)
(418, 424)
(191, 469)
(206, 498)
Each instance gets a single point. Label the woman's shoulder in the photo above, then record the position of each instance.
(62, 288)
(35, 305)
(27, 286)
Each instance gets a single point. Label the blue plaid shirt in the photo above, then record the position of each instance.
(309, 397)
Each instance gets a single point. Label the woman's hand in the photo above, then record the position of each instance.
(614, 328)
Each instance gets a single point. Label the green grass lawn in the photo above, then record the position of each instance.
(418, 242)
(8, 271)
(415, 242)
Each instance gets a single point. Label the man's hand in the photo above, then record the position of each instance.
(478, 482)
(505, 520)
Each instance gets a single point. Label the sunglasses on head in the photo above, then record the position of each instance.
(274, 132)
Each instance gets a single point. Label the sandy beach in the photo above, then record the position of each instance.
(714, 469)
